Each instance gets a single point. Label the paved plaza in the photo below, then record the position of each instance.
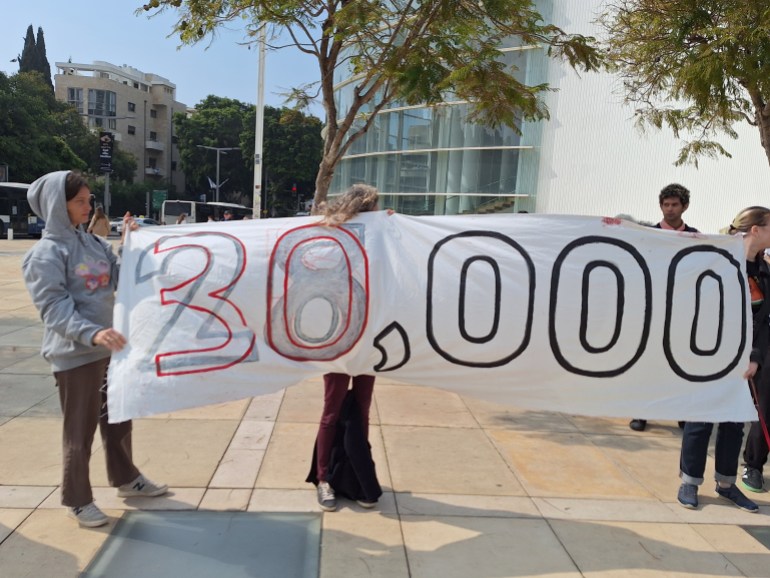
(471, 489)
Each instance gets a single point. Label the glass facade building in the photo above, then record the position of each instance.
(431, 160)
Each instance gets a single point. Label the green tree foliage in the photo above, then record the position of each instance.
(217, 122)
(39, 134)
(292, 151)
(420, 52)
(28, 59)
(33, 128)
(34, 58)
(696, 66)
(43, 66)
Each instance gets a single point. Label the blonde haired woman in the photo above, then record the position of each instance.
(753, 224)
(100, 224)
(357, 199)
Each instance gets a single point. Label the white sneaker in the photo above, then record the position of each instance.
(89, 516)
(326, 498)
(142, 487)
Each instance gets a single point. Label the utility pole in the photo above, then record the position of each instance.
(259, 127)
(219, 150)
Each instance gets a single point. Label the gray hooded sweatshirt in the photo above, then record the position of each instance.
(71, 276)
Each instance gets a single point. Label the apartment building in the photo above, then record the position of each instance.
(135, 106)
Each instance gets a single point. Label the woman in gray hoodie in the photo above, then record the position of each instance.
(71, 276)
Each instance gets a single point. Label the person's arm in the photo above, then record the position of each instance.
(46, 281)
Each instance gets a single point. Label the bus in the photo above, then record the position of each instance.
(200, 212)
(15, 212)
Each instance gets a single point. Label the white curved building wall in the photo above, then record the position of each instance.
(595, 161)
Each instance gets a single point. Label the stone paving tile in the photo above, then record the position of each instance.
(422, 406)
(287, 461)
(619, 426)
(362, 544)
(24, 496)
(177, 498)
(10, 518)
(564, 465)
(467, 546)
(302, 403)
(30, 452)
(502, 417)
(231, 410)
(48, 544)
(738, 546)
(181, 453)
(714, 510)
(221, 499)
(265, 407)
(604, 510)
(464, 505)
(48, 407)
(23, 360)
(237, 469)
(23, 337)
(252, 435)
(304, 500)
(18, 393)
(446, 460)
(640, 549)
(28, 365)
(283, 500)
(640, 457)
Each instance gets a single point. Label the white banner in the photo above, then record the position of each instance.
(581, 315)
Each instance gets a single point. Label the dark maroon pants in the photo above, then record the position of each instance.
(335, 389)
(83, 397)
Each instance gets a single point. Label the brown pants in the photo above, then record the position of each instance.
(83, 396)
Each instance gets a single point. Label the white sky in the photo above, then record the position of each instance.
(108, 30)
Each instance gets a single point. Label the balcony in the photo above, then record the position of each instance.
(155, 145)
(154, 172)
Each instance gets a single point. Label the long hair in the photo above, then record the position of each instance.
(748, 218)
(99, 213)
(357, 199)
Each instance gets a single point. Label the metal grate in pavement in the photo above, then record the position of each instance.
(205, 544)
(760, 533)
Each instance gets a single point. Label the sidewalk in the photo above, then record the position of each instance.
(471, 489)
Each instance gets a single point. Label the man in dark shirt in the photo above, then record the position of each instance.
(674, 200)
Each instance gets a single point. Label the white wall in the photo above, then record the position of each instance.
(594, 161)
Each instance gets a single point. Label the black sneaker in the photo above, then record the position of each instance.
(326, 498)
(688, 496)
(637, 424)
(736, 497)
(752, 479)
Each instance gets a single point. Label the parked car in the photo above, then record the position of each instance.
(141, 221)
(116, 225)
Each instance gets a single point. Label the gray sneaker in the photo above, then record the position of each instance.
(88, 516)
(142, 487)
(752, 479)
(688, 496)
(326, 498)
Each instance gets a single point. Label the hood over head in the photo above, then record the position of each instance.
(47, 199)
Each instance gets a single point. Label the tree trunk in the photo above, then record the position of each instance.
(764, 132)
(323, 180)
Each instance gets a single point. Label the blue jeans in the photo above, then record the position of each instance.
(695, 445)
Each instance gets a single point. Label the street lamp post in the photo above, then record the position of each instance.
(219, 151)
(259, 127)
